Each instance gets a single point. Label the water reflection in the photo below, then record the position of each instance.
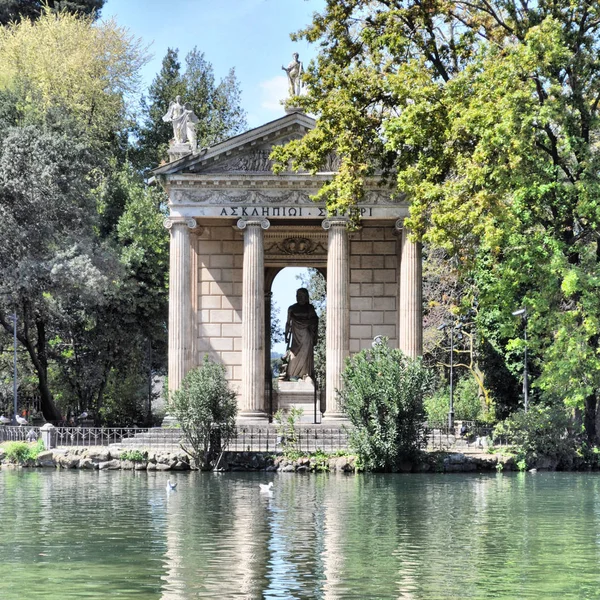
(87, 534)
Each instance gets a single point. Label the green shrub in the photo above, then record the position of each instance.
(133, 455)
(542, 431)
(21, 452)
(467, 404)
(285, 423)
(382, 395)
(205, 408)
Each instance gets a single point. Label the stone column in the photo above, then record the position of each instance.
(410, 318)
(253, 319)
(181, 322)
(338, 312)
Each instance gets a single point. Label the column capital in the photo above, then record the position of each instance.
(243, 223)
(189, 221)
(399, 224)
(335, 222)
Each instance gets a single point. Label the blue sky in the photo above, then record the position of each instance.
(253, 36)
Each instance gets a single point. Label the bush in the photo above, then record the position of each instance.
(133, 456)
(543, 431)
(205, 408)
(286, 431)
(467, 404)
(382, 395)
(21, 452)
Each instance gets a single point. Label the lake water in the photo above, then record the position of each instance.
(83, 534)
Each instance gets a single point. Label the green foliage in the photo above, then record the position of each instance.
(22, 452)
(205, 408)
(67, 70)
(382, 395)
(485, 118)
(287, 432)
(133, 455)
(543, 431)
(217, 106)
(320, 461)
(467, 403)
(15, 10)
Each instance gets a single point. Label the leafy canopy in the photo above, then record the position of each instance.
(484, 116)
(65, 62)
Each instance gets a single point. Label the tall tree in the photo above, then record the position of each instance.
(15, 10)
(88, 93)
(217, 106)
(485, 114)
(60, 271)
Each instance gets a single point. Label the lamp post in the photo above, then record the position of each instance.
(442, 327)
(13, 318)
(522, 312)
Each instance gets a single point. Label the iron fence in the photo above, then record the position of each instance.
(249, 438)
(245, 439)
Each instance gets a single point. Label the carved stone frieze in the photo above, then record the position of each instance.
(297, 246)
(295, 241)
(239, 197)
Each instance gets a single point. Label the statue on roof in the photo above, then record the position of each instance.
(184, 122)
(294, 72)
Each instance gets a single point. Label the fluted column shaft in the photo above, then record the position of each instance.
(181, 330)
(338, 312)
(410, 333)
(253, 319)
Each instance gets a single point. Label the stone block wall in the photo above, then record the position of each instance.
(218, 309)
(374, 291)
(374, 262)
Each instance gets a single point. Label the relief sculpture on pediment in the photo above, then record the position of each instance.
(254, 161)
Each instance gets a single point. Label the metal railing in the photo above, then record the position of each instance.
(246, 438)
(308, 439)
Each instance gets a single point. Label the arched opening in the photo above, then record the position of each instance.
(281, 289)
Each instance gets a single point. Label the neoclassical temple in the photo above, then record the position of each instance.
(234, 225)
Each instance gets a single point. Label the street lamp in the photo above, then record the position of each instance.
(522, 312)
(13, 318)
(442, 327)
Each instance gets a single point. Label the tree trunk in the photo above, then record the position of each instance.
(589, 418)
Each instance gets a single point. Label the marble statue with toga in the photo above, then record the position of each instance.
(301, 331)
(184, 121)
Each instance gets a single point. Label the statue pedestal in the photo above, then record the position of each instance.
(299, 394)
(177, 151)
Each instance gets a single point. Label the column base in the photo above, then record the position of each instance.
(331, 417)
(169, 421)
(254, 417)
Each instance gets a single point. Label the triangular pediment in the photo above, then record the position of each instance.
(246, 153)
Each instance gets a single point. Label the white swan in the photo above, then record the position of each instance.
(4, 420)
(266, 488)
(171, 487)
(22, 421)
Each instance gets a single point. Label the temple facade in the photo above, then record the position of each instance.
(234, 225)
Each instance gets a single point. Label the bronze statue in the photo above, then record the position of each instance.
(301, 330)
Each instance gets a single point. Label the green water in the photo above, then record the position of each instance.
(82, 534)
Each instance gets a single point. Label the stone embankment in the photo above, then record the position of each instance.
(102, 458)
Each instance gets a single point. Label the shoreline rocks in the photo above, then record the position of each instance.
(102, 458)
